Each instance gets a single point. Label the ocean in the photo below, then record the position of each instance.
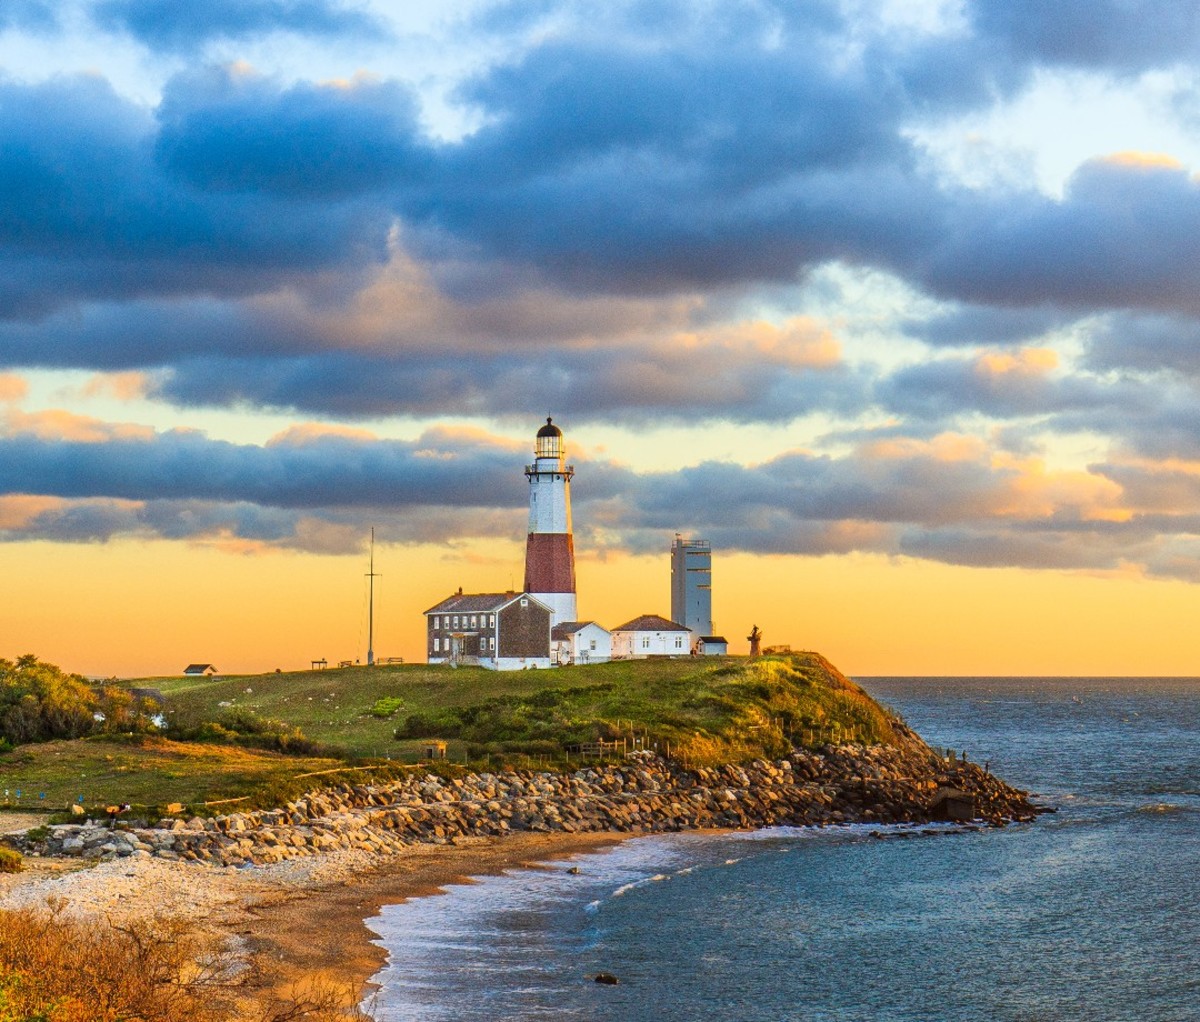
(1087, 914)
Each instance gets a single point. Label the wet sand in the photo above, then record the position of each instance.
(294, 928)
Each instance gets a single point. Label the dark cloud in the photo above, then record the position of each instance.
(1120, 35)
(1004, 548)
(169, 25)
(1147, 343)
(299, 472)
(241, 132)
(1124, 234)
(216, 239)
(89, 215)
(984, 326)
(948, 499)
(999, 386)
(640, 385)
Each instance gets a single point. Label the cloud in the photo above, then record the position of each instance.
(1025, 382)
(122, 386)
(1127, 36)
(952, 498)
(984, 326)
(166, 25)
(29, 15)
(12, 388)
(233, 130)
(89, 215)
(1124, 235)
(1145, 342)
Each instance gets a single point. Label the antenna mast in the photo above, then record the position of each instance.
(372, 575)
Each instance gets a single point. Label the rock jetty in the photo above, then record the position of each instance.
(831, 785)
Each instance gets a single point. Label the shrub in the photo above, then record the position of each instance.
(386, 706)
(10, 861)
(54, 969)
(40, 702)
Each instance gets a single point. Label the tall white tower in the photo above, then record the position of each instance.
(550, 548)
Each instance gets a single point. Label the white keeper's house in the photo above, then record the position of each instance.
(501, 631)
(650, 635)
(580, 642)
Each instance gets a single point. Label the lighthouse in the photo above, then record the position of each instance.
(550, 549)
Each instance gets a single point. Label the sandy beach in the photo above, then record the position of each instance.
(292, 926)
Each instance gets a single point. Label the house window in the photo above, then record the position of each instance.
(455, 625)
(524, 602)
(474, 621)
(645, 642)
(437, 644)
(433, 622)
(593, 644)
(679, 642)
(491, 620)
(491, 642)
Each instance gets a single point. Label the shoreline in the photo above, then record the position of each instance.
(294, 929)
(322, 935)
(294, 924)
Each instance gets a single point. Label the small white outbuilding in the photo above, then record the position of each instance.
(650, 635)
(580, 642)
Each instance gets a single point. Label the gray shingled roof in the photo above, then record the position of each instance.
(472, 603)
(478, 603)
(565, 628)
(650, 623)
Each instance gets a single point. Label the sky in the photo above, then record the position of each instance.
(897, 304)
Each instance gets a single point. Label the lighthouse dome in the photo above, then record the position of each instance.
(549, 441)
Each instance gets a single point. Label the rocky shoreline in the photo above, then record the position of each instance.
(830, 785)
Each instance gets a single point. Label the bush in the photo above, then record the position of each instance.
(54, 969)
(10, 861)
(241, 727)
(39, 702)
(386, 706)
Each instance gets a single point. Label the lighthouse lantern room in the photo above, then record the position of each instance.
(550, 548)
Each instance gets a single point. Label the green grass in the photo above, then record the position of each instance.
(707, 709)
(143, 772)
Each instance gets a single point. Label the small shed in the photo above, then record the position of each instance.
(712, 645)
(434, 750)
(196, 670)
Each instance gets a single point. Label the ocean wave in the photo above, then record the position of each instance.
(1165, 809)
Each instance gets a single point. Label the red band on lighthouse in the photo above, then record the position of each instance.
(550, 563)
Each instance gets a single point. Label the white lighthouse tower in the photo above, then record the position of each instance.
(550, 549)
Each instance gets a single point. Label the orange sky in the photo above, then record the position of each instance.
(131, 609)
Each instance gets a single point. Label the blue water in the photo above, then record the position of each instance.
(1087, 914)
